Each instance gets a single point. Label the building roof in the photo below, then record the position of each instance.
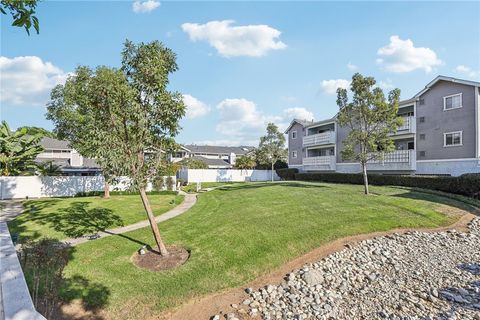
(445, 78)
(218, 149)
(213, 162)
(51, 143)
(303, 123)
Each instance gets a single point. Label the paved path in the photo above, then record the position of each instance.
(9, 209)
(188, 202)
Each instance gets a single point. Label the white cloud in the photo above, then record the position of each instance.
(195, 107)
(385, 85)
(145, 6)
(466, 71)
(232, 41)
(331, 86)
(352, 67)
(241, 123)
(401, 56)
(28, 80)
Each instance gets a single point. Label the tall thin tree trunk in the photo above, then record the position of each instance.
(153, 224)
(106, 190)
(365, 177)
(272, 171)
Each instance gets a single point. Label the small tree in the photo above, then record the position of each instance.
(245, 162)
(192, 163)
(133, 116)
(370, 119)
(272, 147)
(18, 151)
(48, 168)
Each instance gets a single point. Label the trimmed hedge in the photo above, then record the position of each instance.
(467, 184)
(287, 173)
(121, 193)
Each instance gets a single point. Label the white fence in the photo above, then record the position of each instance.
(225, 175)
(60, 186)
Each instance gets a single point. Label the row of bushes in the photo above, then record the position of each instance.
(122, 193)
(466, 184)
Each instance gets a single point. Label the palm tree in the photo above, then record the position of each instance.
(245, 162)
(48, 168)
(18, 151)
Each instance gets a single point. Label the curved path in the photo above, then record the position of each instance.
(202, 308)
(188, 202)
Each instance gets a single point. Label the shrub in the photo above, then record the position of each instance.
(170, 183)
(467, 184)
(159, 183)
(120, 193)
(287, 173)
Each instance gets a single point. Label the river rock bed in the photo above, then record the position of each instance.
(417, 275)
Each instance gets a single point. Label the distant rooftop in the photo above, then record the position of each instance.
(218, 149)
(51, 143)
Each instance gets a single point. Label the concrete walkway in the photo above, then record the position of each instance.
(9, 209)
(188, 202)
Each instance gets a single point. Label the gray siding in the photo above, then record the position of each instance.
(438, 121)
(342, 133)
(295, 144)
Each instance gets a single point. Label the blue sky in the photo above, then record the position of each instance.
(243, 64)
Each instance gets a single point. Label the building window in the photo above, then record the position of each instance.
(451, 139)
(294, 134)
(422, 102)
(452, 102)
(422, 119)
(422, 154)
(294, 154)
(422, 136)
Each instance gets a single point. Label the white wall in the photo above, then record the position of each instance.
(452, 167)
(225, 175)
(59, 186)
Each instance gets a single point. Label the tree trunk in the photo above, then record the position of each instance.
(272, 171)
(153, 224)
(365, 177)
(106, 190)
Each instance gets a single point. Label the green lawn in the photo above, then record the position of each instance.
(62, 218)
(236, 234)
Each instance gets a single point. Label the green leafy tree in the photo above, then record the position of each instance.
(38, 131)
(18, 151)
(131, 117)
(272, 147)
(48, 168)
(192, 163)
(22, 12)
(370, 119)
(245, 162)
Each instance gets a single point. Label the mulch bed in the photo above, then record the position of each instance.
(153, 261)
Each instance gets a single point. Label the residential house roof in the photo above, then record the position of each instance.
(51, 143)
(218, 149)
(213, 162)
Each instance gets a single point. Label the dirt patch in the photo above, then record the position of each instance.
(153, 261)
(204, 307)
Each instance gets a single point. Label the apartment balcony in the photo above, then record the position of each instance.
(319, 139)
(408, 126)
(322, 163)
(399, 160)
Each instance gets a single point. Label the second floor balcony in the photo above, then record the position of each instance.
(408, 126)
(319, 139)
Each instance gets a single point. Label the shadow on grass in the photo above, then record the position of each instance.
(442, 198)
(256, 185)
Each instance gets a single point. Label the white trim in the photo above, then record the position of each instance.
(451, 96)
(294, 134)
(346, 163)
(448, 160)
(445, 145)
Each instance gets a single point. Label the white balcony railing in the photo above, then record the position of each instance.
(408, 126)
(326, 163)
(399, 160)
(319, 138)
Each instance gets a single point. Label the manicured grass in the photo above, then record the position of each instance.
(192, 187)
(238, 233)
(62, 218)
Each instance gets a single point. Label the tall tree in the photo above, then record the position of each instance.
(48, 168)
(37, 131)
(18, 151)
(370, 119)
(131, 117)
(272, 147)
(22, 12)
